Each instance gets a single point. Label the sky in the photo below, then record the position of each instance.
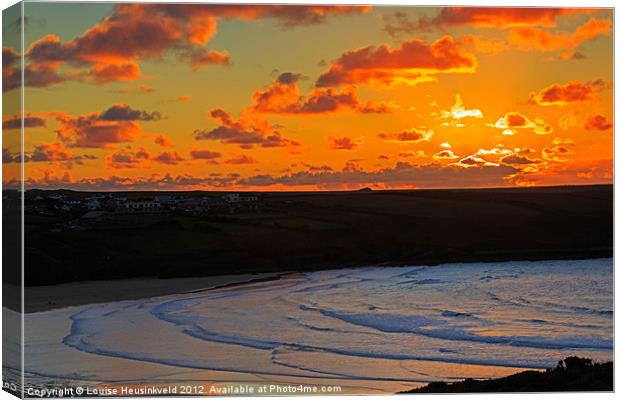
(287, 98)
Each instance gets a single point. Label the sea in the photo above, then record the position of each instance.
(359, 330)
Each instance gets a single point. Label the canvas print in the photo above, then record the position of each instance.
(237, 199)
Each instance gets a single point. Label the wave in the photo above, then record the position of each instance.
(546, 305)
(425, 326)
(433, 314)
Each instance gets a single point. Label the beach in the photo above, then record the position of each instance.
(365, 330)
(44, 298)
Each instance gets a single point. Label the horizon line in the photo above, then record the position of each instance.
(364, 189)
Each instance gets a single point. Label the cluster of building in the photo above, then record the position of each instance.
(118, 207)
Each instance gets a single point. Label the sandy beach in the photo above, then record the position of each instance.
(45, 298)
(365, 330)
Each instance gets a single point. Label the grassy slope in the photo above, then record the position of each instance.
(309, 231)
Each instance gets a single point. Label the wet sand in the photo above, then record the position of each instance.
(44, 298)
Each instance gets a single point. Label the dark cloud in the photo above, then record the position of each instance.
(245, 134)
(558, 153)
(495, 17)
(282, 97)
(350, 176)
(399, 23)
(241, 160)
(8, 157)
(342, 143)
(117, 124)
(47, 152)
(474, 161)
(123, 112)
(199, 58)
(15, 122)
(570, 92)
(204, 154)
(597, 123)
(288, 78)
(445, 155)
(168, 157)
(123, 159)
(517, 159)
(427, 176)
(412, 135)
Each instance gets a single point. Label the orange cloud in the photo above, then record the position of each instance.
(35, 75)
(517, 159)
(570, 92)
(529, 38)
(168, 157)
(282, 97)
(88, 132)
(111, 72)
(560, 150)
(411, 153)
(343, 143)
(474, 162)
(244, 133)
(597, 123)
(407, 136)
(412, 62)
(556, 153)
(197, 154)
(512, 121)
(123, 159)
(163, 141)
(117, 124)
(598, 171)
(50, 152)
(112, 49)
(445, 155)
(199, 58)
(496, 17)
(241, 160)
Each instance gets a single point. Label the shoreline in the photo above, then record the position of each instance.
(47, 298)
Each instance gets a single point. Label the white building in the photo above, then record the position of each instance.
(231, 197)
(141, 206)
